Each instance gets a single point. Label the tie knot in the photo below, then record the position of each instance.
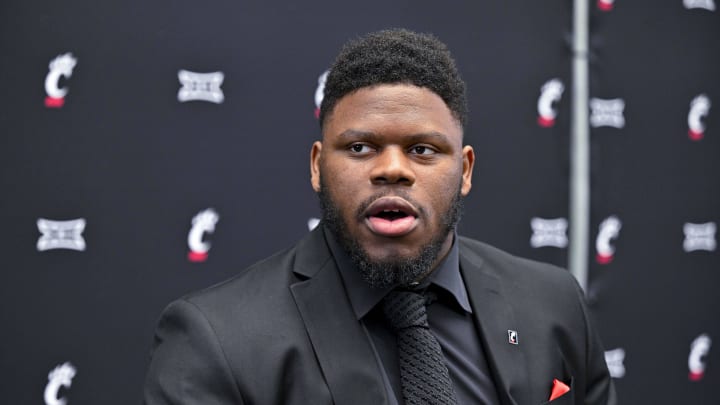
(404, 309)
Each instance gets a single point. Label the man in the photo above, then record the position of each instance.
(383, 303)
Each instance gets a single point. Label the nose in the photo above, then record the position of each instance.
(392, 166)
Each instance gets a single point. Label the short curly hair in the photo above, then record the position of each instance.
(395, 56)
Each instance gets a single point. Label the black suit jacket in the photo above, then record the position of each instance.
(283, 332)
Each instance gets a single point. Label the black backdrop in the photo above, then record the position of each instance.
(136, 164)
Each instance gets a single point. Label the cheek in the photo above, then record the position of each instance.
(344, 180)
(442, 188)
(337, 187)
(441, 195)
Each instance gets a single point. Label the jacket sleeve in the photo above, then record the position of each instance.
(188, 365)
(600, 389)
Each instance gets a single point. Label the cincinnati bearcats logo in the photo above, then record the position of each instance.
(708, 5)
(312, 223)
(550, 93)
(61, 376)
(606, 5)
(609, 229)
(615, 360)
(61, 66)
(320, 92)
(512, 337)
(699, 108)
(203, 222)
(699, 349)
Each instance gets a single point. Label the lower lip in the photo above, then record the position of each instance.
(385, 227)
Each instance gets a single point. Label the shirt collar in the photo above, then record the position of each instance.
(363, 298)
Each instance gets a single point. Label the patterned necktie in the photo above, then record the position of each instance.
(424, 377)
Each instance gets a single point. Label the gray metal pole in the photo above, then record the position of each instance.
(580, 148)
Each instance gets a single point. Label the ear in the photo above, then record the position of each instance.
(315, 153)
(468, 164)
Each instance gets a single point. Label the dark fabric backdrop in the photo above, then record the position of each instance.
(137, 165)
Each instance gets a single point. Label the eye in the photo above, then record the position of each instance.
(360, 148)
(422, 150)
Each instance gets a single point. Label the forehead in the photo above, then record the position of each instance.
(392, 107)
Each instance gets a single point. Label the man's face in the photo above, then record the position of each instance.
(391, 171)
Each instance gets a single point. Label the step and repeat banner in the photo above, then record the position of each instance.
(655, 150)
(153, 149)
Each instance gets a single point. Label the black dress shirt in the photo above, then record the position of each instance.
(450, 319)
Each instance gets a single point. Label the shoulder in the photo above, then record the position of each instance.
(507, 265)
(250, 307)
(249, 290)
(264, 287)
(528, 284)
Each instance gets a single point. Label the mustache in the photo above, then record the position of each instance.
(362, 208)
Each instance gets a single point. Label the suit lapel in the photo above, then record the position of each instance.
(340, 343)
(494, 317)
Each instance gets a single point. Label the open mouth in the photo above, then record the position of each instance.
(391, 216)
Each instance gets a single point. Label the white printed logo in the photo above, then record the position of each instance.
(706, 4)
(200, 86)
(615, 362)
(549, 232)
(313, 223)
(609, 229)
(203, 222)
(61, 376)
(550, 93)
(607, 113)
(699, 108)
(60, 66)
(61, 234)
(699, 348)
(320, 92)
(512, 337)
(699, 236)
(606, 5)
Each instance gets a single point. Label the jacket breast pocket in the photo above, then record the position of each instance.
(567, 398)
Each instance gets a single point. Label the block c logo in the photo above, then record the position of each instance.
(699, 108)
(609, 229)
(699, 348)
(606, 5)
(203, 222)
(320, 92)
(61, 66)
(61, 376)
(551, 92)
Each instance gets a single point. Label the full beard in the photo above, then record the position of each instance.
(401, 271)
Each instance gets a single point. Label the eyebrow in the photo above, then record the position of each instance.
(418, 137)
